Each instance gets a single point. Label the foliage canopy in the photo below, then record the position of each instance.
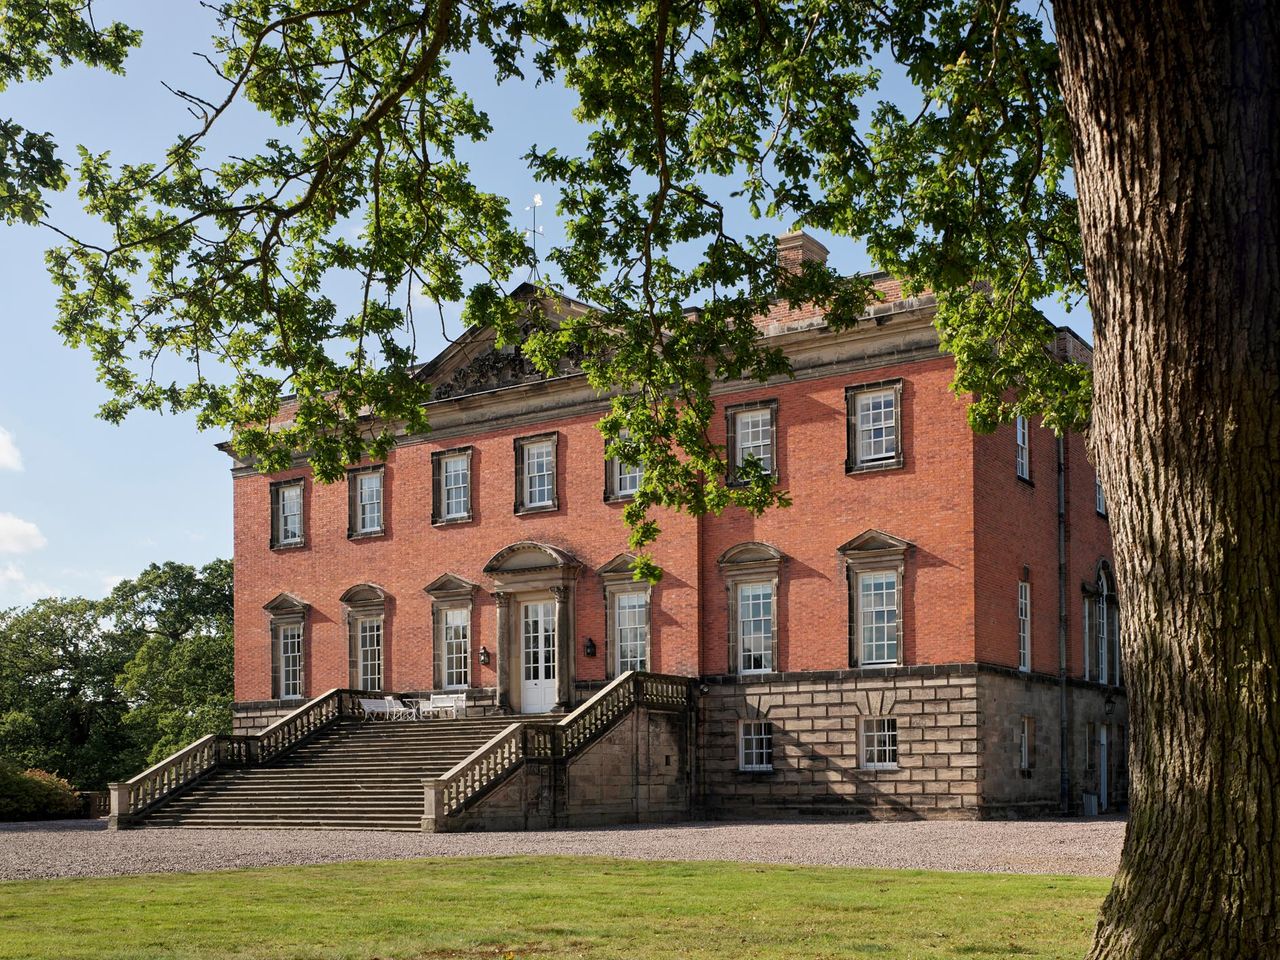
(232, 262)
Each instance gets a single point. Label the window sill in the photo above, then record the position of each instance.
(1021, 479)
(291, 545)
(367, 535)
(543, 508)
(618, 497)
(452, 521)
(757, 674)
(880, 767)
(874, 467)
(1103, 514)
(757, 770)
(877, 664)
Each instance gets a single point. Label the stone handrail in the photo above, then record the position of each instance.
(197, 760)
(492, 763)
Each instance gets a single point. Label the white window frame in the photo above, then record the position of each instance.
(864, 577)
(457, 646)
(527, 451)
(1099, 502)
(755, 746)
(766, 655)
(370, 668)
(878, 737)
(871, 420)
(1024, 625)
(369, 508)
(1022, 448)
(627, 478)
(447, 507)
(760, 448)
(284, 493)
(630, 631)
(292, 663)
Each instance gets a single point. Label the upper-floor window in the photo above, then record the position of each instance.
(451, 485)
(751, 431)
(286, 513)
(622, 479)
(880, 743)
(755, 745)
(536, 473)
(1022, 448)
(1024, 625)
(874, 413)
(366, 515)
(1100, 504)
(631, 629)
(755, 627)
(878, 616)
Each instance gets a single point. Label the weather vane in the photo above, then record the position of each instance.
(534, 232)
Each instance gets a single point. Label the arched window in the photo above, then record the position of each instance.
(1102, 628)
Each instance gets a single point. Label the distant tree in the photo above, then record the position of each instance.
(61, 708)
(178, 622)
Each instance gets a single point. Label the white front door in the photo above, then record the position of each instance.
(538, 647)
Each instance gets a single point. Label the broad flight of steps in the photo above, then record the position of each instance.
(354, 775)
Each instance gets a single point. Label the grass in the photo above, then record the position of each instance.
(536, 907)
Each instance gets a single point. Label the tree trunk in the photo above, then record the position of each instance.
(1176, 123)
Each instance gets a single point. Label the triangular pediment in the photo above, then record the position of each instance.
(474, 362)
(449, 586)
(286, 604)
(622, 563)
(875, 541)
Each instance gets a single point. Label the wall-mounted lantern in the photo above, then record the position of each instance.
(484, 656)
(589, 648)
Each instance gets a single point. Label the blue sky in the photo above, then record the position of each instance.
(84, 503)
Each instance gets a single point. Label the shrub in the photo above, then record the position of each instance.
(35, 795)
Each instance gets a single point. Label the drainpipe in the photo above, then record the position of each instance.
(1064, 779)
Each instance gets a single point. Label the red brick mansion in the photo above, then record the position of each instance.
(931, 629)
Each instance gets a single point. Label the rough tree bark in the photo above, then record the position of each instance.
(1175, 109)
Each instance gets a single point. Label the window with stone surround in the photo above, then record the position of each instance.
(366, 634)
(451, 486)
(751, 571)
(873, 412)
(875, 564)
(621, 479)
(1024, 625)
(365, 516)
(627, 616)
(288, 622)
(286, 513)
(1102, 628)
(751, 433)
(536, 473)
(879, 743)
(755, 745)
(1022, 449)
(451, 636)
(1099, 502)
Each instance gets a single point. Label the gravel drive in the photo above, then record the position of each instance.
(79, 848)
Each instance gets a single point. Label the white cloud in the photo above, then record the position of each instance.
(18, 535)
(15, 588)
(109, 582)
(10, 455)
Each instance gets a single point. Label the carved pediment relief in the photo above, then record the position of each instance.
(363, 594)
(875, 541)
(528, 557)
(750, 552)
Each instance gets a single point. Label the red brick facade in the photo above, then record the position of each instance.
(974, 528)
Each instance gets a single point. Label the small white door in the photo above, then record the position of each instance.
(1102, 768)
(538, 646)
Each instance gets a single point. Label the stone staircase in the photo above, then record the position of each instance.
(351, 775)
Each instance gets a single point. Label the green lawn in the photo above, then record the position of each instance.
(550, 907)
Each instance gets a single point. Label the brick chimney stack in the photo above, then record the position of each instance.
(796, 247)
